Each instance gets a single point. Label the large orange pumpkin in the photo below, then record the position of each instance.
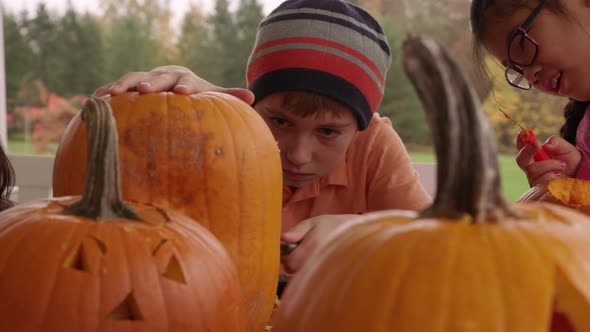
(209, 156)
(470, 262)
(97, 264)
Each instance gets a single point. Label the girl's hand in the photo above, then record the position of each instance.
(565, 160)
(311, 234)
(176, 79)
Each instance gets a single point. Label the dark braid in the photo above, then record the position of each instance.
(573, 114)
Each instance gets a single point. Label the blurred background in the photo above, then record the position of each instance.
(57, 52)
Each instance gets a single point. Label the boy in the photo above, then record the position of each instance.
(316, 76)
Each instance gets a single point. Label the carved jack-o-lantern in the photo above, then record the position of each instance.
(209, 156)
(97, 264)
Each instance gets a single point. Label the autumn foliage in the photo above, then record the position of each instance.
(43, 116)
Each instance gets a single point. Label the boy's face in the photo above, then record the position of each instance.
(310, 146)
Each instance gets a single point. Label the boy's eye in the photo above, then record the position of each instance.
(329, 132)
(279, 122)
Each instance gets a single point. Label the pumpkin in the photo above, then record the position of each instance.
(209, 156)
(469, 262)
(96, 263)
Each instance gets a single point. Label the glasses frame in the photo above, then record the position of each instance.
(522, 31)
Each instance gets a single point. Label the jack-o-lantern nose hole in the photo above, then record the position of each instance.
(128, 309)
(560, 323)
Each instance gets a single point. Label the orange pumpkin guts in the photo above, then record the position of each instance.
(97, 264)
(470, 262)
(209, 156)
(570, 192)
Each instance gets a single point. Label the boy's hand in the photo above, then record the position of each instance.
(311, 234)
(169, 78)
(565, 160)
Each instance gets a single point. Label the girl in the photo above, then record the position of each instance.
(6, 181)
(546, 45)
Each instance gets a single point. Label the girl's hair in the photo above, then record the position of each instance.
(482, 10)
(573, 113)
(6, 181)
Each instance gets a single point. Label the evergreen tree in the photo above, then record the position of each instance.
(248, 17)
(195, 44)
(18, 56)
(400, 102)
(92, 44)
(225, 50)
(80, 70)
(130, 47)
(43, 39)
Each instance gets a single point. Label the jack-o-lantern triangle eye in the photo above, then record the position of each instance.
(128, 309)
(174, 271)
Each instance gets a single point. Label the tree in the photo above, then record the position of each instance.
(400, 102)
(81, 45)
(195, 44)
(42, 36)
(138, 37)
(225, 49)
(248, 17)
(19, 57)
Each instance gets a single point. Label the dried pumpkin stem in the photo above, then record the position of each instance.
(102, 192)
(468, 179)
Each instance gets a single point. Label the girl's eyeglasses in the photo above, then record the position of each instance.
(522, 51)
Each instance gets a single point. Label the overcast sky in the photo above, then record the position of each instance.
(178, 7)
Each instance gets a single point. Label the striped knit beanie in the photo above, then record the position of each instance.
(328, 47)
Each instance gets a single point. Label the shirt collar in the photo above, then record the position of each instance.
(338, 176)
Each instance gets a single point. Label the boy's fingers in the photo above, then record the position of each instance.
(295, 260)
(245, 95)
(298, 232)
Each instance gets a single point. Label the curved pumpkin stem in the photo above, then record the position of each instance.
(102, 191)
(468, 179)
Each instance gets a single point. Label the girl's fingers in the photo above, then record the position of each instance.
(520, 143)
(525, 156)
(544, 171)
(544, 178)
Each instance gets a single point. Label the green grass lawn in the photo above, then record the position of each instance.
(514, 182)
